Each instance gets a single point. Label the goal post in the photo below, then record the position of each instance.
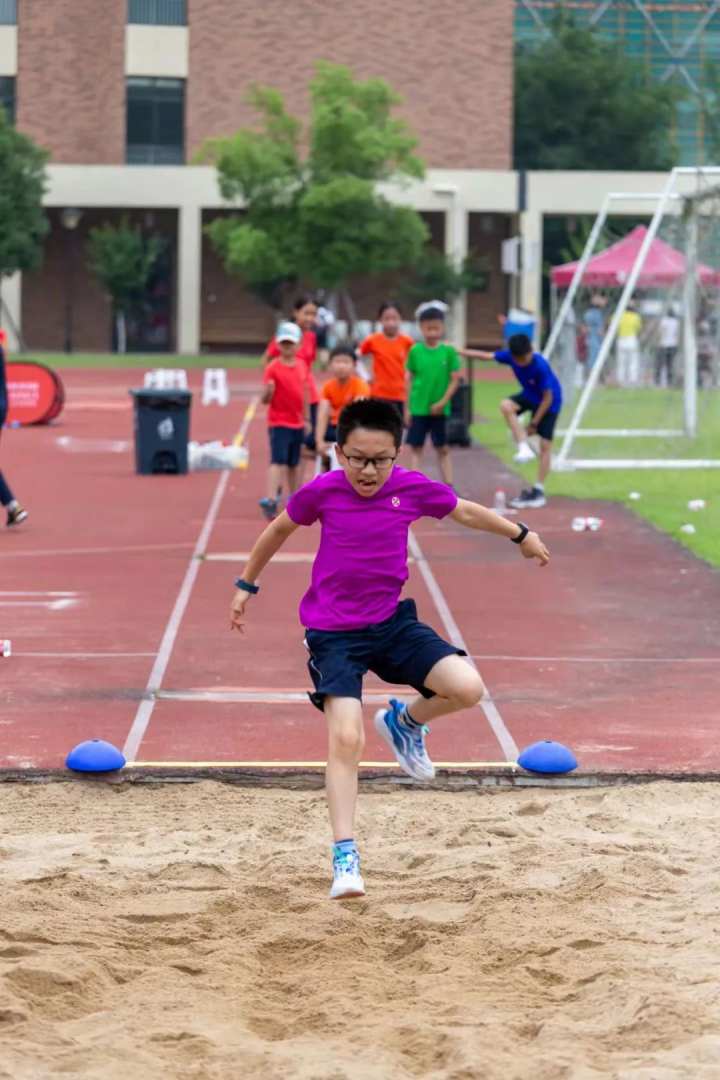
(665, 428)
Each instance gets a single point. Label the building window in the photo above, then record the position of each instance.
(156, 12)
(7, 96)
(8, 12)
(155, 121)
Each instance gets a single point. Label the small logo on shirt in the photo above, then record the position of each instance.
(395, 500)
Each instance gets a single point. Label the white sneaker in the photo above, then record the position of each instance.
(524, 452)
(347, 880)
(407, 744)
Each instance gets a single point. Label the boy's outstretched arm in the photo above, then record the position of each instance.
(474, 516)
(267, 544)
(476, 354)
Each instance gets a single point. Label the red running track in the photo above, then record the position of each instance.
(116, 592)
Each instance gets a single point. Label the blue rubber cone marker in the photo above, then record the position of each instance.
(95, 755)
(547, 757)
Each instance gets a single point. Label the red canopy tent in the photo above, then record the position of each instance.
(611, 268)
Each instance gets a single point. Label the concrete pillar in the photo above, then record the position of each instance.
(189, 276)
(531, 225)
(11, 297)
(456, 248)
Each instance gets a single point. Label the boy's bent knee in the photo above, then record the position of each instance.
(470, 689)
(347, 741)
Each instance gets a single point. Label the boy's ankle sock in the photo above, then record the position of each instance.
(12, 505)
(342, 847)
(539, 486)
(408, 720)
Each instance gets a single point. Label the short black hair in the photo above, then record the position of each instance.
(519, 345)
(388, 305)
(303, 301)
(372, 415)
(343, 348)
(431, 313)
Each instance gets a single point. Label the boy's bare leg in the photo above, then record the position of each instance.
(293, 477)
(416, 453)
(545, 459)
(445, 464)
(509, 410)
(275, 476)
(457, 686)
(346, 740)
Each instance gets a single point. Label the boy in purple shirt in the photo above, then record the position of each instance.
(354, 618)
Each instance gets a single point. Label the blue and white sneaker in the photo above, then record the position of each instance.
(347, 880)
(269, 508)
(407, 743)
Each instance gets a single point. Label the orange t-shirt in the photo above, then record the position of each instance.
(341, 394)
(389, 356)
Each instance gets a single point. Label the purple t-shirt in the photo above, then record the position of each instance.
(361, 563)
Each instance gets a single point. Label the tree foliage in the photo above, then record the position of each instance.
(122, 259)
(582, 103)
(23, 223)
(438, 276)
(312, 209)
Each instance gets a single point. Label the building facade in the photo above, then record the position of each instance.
(675, 39)
(123, 94)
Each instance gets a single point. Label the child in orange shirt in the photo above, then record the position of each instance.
(389, 351)
(344, 386)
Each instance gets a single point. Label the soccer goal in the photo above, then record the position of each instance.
(636, 332)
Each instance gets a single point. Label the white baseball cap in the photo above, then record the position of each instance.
(289, 331)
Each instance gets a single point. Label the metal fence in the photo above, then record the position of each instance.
(153, 12)
(8, 12)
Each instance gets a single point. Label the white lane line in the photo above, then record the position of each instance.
(507, 743)
(83, 655)
(145, 709)
(262, 697)
(601, 659)
(58, 553)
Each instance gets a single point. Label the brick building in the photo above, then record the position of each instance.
(124, 92)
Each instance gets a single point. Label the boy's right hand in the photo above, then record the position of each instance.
(532, 547)
(237, 611)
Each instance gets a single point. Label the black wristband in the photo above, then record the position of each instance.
(523, 533)
(246, 586)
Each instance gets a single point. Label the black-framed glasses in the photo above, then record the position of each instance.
(379, 463)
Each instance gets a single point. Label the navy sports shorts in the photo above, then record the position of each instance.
(422, 426)
(285, 445)
(398, 650)
(546, 427)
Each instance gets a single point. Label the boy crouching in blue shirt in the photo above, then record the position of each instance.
(541, 396)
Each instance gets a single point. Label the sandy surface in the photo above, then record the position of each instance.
(183, 931)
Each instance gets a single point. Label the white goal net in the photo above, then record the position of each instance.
(636, 337)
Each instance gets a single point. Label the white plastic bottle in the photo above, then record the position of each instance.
(500, 504)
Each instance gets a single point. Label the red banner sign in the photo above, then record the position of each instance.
(35, 393)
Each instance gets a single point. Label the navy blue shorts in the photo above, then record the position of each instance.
(285, 445)
(422, 426)
(309, 439)
(398, 650)
(546, 427)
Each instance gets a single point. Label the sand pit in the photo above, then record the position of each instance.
(183, 932)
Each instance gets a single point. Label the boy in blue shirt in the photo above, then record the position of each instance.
(541, 396)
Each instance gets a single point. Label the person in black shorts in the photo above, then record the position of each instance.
(541, 397)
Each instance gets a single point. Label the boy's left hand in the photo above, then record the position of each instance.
(437, 408)
(532, 429)
(532, 547)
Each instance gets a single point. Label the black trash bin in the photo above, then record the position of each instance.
(162, 430)
(460, 417)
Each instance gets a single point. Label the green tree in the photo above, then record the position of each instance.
(438, 277)
(315, 215)
(122, 259)
(582, 103)
(23, 224)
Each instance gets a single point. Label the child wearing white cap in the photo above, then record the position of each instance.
(286, 393)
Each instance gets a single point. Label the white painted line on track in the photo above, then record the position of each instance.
(263, 697)
(83, 655)
(601, 659)
(162, 659)
(507, 744)
(58, 553)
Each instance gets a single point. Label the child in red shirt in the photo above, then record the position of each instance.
(286, 391)
(304, 315)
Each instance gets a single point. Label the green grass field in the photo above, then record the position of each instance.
(138, 360)
(664, 493)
